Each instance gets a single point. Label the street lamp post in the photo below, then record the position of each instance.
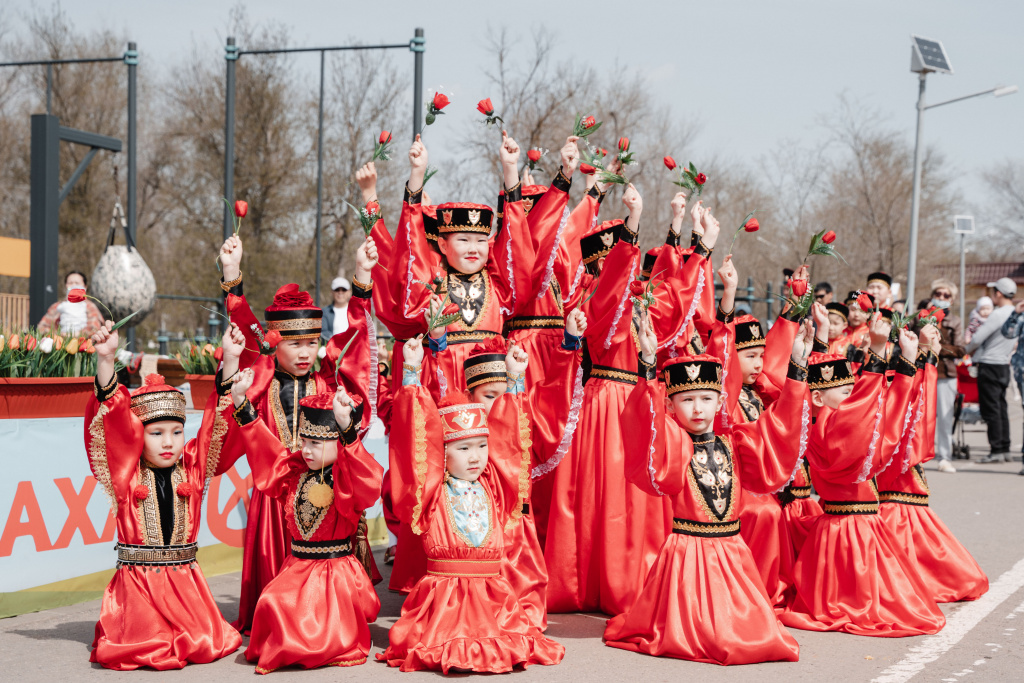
(928, 56)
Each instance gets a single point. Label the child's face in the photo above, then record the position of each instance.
(984, 311)
(319, 454)
(295, 356)
(857, 316)
(466, 252)
(836, 326)
(831, 398)
(751, 363)
(163, 442)
(695, 410)
(488, 393)
(466, 458)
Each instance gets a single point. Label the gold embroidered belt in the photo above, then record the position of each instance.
(470, 337)
(903, 497)
(613, 374)
(800, 491)
(705, 529)
(155, 555)
(468, 569)
(536, 322)
(852, 507)
(321, 550)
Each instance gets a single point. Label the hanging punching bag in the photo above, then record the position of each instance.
(122, 280)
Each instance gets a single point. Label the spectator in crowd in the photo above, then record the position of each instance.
(336, 315)
(81, 318)
(1013, 328)
(982, 310)
(951, 337)
(823, 293)
(990, 351)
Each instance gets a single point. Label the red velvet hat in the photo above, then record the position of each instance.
(828, 370)
(461, 418)
(749, 332)
(464, 217)
(294, 314)
(156, 400)
(690, 373)
(531, 193)
(486, 363)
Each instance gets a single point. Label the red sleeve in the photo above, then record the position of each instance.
(679, 295)
(547, 222)
(777, 352)
(508, 447)
(272, 464)
(846, 439)
(416, 457)
(655, 463)
(766, 449)
(357, 481)
(549, 403)
(511, 259)
(607, 308)
(722, 345)
(922, 441)
(113, 443)
(581, 219)
(389, 282)
(411, 261)
(357, 369)
(263, 366)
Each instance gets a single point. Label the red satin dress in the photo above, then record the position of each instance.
(945, 566)
(604, 534)
(703, 599)
(853, 574)
(160, 617)
(266, 540)
(462, 614)
(314, 612)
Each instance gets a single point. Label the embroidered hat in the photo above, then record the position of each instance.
(486, 363)
(294, 315)
(156, 400)
(879, 276)
(316, 418)
(461, 418)
(690, 373)
(600, 240)
(842, 310)
(749, 332)
(531, 193)
(464, 217)
(828, 370)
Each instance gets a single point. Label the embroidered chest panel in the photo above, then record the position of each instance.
(751, 403)
(711, 479)
(308, 516)
(634, 326)
(472, 294)
(148, 509)
(288, 424)
(469, 511)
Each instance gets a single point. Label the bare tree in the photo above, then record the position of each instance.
(1005, 212)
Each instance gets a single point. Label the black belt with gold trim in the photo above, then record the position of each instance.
(903, 497)
(155, 555)
(850, 507)
(536, 322)
(321, 550)
(800, 491)
(613, 374)
(705, 529)
(470, 337)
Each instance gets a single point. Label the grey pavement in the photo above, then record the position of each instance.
(983, 641)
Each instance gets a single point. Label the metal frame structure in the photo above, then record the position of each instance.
(417, 45)
(46, 195)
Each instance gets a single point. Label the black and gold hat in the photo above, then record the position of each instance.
(749, 332)
(600, 240)
(486, 363)
(887, 314)
(879, 276)
(464, 217)
(691, 373)
(430, 225)
(650, 258)
(842, 310)
(294, 315)
(828, 370)
(531, 193)
(316, 419)
(156, 400)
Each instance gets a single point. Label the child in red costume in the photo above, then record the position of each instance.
(157, 610)
(316, 611)
(703, 600)
(459, 479)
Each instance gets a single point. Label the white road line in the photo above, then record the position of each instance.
(958, 625)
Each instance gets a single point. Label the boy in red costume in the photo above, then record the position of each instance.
(157, 610)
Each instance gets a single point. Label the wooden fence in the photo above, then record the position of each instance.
(13, 312)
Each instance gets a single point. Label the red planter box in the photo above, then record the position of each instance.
(201, 386)
(31, 397)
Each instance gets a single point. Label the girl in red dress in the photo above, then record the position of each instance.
(459, 479)
(157, 610)
(703, 600)
(316, 611)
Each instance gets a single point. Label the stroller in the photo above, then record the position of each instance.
(966, 393)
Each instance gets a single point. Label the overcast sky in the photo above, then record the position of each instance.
(764, 70)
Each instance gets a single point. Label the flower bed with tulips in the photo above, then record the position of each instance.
(33, 354)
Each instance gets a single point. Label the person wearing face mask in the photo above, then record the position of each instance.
(69, 316)
(951, 340)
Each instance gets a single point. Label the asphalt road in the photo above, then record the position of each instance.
(983, 640)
